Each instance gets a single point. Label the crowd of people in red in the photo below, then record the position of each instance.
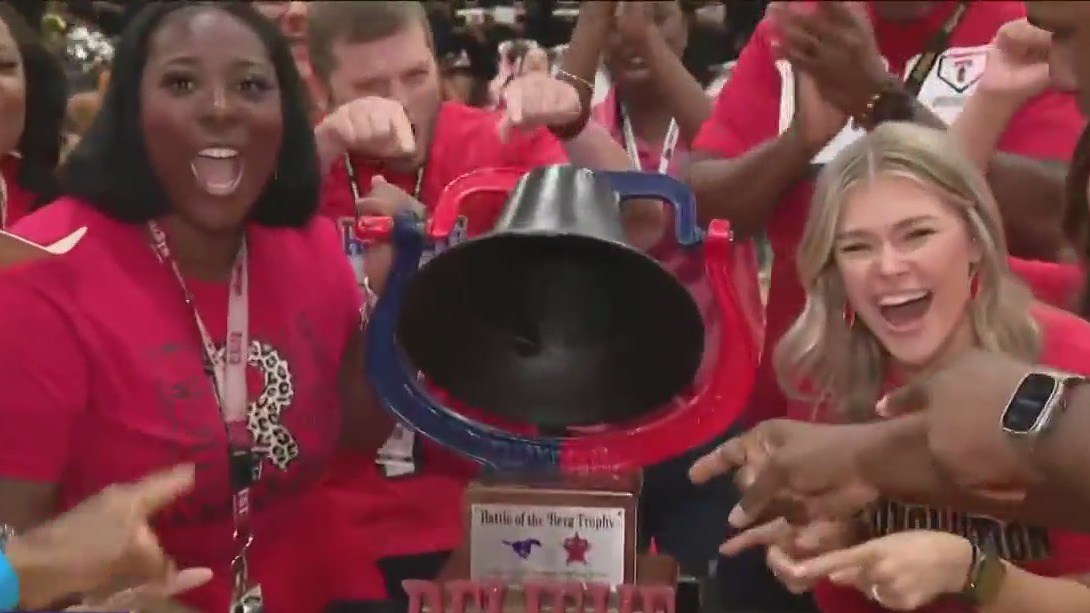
(907, 162)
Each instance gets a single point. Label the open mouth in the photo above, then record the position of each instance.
(905, 309)
(218, 170)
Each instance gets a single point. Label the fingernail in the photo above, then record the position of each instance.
(737, 517)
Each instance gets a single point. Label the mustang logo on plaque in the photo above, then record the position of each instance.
(576, 543)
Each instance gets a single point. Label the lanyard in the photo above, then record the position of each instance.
(357, 192)
(227, 374)
(934, 49)
(668, 144)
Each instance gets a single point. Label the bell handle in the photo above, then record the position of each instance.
(633, 184)
(399, 389)
(449, 208)
(715, 406)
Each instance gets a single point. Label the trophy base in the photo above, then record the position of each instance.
(579, 528)
(654, 591)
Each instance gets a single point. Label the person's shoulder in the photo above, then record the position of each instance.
(1065, 339)
(86, 236)
(58, 219)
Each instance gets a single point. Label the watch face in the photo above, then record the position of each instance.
(1028, 403)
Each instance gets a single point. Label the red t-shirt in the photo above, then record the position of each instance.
(19, 199)
(101, 367)
(422, 512)
(755, 105)
(1049, 553)
(1055, 283)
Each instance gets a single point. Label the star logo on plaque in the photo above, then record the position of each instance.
(576, 547)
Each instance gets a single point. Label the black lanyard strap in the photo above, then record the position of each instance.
(938, 44)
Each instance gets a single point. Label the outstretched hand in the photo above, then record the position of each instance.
(100, 543)
(798, 470)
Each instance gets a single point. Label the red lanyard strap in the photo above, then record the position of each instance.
(226, 371)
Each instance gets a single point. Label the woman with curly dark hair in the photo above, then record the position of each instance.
(33, 101)
(207, 315)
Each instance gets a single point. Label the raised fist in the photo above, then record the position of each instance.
(373, 127)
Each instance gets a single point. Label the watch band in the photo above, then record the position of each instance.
(9, 581)
(9, 585)
(986, 575)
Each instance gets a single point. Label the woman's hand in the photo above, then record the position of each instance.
(902, 571)
(787, 543)
(1018, 62)
(150, 598)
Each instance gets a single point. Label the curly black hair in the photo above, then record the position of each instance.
(110, 167)
(46, 104)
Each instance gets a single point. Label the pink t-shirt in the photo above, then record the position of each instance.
(650, 154)
(101, 367)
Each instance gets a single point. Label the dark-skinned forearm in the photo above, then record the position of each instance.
(686, 100)
(1061, 459)
(584, 51)
(746, 190)
(365, 424)
(901, 466)
(1030, 195)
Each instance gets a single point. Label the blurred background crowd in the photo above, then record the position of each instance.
(480, 43)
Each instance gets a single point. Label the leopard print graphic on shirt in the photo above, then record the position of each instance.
(272, 441)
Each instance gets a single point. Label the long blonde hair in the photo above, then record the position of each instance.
(823, 358)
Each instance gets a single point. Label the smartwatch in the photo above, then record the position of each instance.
(1038, 400)
(9, 581)
(985, 579)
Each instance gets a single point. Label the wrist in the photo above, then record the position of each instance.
(798, 145)
(887, 448)
(573, 129)
(995, 108)
(1059, 450)
(327, 143)
(963, 559)
(32, 568)
(888, 101)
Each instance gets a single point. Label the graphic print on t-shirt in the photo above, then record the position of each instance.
(944, 92)
(272, 441)
(1012, 541)
(961, 68)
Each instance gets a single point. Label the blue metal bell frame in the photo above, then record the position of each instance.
(402, 392)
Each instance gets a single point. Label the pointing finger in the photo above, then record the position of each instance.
(842, 560)
(158, 490)
(902, 401)
(729, 456)
(765, 534)
(768, 483)
(514, 104)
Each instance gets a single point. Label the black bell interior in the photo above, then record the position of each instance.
(551, 319)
